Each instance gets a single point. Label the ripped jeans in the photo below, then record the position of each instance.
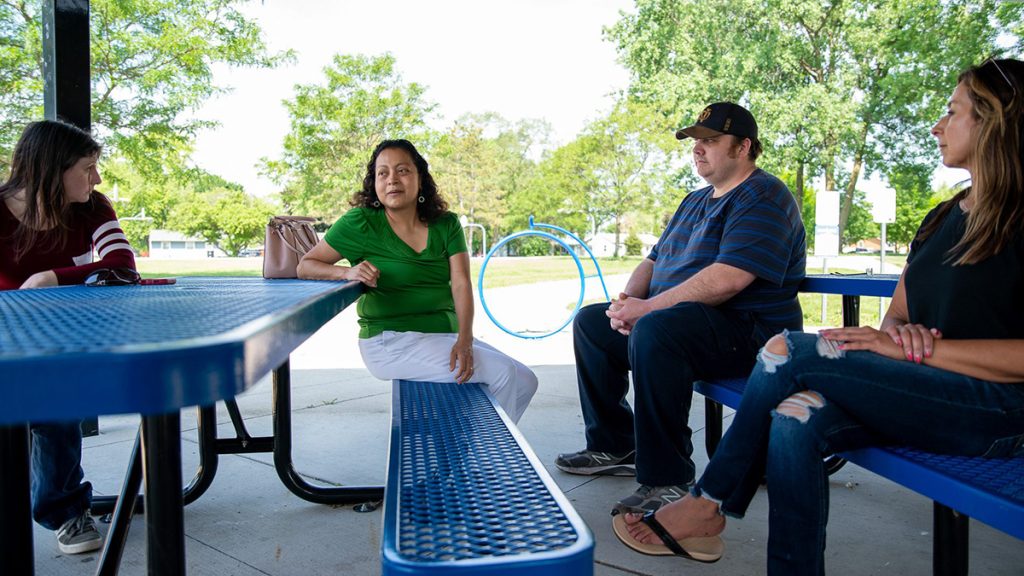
(801, 406)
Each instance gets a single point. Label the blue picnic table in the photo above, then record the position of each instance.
(72, 352)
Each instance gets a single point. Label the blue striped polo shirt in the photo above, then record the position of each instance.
(756, 227)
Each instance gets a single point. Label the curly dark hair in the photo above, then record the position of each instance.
(429, 210)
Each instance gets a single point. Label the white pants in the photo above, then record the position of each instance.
(425, 357)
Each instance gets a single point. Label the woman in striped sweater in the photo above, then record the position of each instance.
(52, 221)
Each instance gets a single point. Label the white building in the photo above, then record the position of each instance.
(170, 245)
(603, 244)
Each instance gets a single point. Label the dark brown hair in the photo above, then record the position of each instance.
(432, 206)
(44, 152)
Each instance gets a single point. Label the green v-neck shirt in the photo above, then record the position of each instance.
(414, 291)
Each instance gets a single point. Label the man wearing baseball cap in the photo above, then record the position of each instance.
(721, 280)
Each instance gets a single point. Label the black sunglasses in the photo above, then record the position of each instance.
(113, 277)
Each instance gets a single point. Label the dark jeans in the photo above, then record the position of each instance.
(667, 351)
(58, 493)
(869, 400)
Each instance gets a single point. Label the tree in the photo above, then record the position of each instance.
(557, 192)
(335, 126)
(914, 198)
(482, 160)
(622, 164)
(194, 201)
(227, 217)
(142, 203)
(628, 150)
(838, 88)
(860, 225)
(151, 64)
(634, 246)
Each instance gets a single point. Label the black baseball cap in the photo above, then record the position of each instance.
(721, 118)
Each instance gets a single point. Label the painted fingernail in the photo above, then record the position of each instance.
(910, 356)
(917, 358)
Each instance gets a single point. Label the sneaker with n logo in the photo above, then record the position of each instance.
(589, 463)
(79, 535)
(650, 498)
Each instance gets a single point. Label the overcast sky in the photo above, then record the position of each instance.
(543, 59)
(524, 59)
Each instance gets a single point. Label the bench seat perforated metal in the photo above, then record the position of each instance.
(465, 493)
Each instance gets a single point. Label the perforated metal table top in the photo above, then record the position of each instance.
(76, 351)
(467, 495)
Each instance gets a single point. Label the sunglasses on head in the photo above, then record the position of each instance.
(995, 64)
(113, 277)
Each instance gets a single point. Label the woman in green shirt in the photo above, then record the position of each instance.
(416, 317)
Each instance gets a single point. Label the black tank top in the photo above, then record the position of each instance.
(982, 300)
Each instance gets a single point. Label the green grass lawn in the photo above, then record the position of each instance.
(500, 271)
(514, 271)
(151, 268)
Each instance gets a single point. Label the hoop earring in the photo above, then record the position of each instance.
(422, 199)
(376, 203)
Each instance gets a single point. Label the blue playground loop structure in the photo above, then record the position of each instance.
(534, 230)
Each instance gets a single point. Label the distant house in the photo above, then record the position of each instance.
(603, 244)
(170, 245)
(872, 245)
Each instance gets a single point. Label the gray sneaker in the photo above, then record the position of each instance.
(590, 463)
(79, 535)
(650, 498)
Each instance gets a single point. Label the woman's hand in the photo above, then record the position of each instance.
(462, 357)
(363, 272)
(917, 341)
(865, 338)
(40, 280)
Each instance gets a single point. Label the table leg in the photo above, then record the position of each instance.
(283, 454)
(15, 502)
(161, 464)
(126, 504)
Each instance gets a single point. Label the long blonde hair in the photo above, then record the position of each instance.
(996, 91)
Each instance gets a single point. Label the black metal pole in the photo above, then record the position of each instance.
(15, 502)
(125, 506)
(949, 546)
(851, 310)
(67, 90)
(66, 75)
(712, 425)
(165, 523)
(283, 454)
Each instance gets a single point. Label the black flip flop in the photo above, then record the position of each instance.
(699, 548)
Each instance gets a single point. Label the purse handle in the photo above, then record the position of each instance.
(303, 234)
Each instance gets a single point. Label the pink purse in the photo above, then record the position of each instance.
(287, 241)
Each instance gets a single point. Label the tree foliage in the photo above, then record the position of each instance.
(838, 88)
(152, 67)
(481, 161)
(623, 164)
(336, 124)
(227, 217)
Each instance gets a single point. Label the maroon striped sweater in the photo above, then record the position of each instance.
(94, 228)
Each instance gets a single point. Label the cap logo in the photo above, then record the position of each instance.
(728, 122)
(704, 114)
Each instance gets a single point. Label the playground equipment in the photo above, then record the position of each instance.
(534, 231)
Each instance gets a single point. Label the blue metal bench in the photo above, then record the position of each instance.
(989, 490)
(465, 494)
